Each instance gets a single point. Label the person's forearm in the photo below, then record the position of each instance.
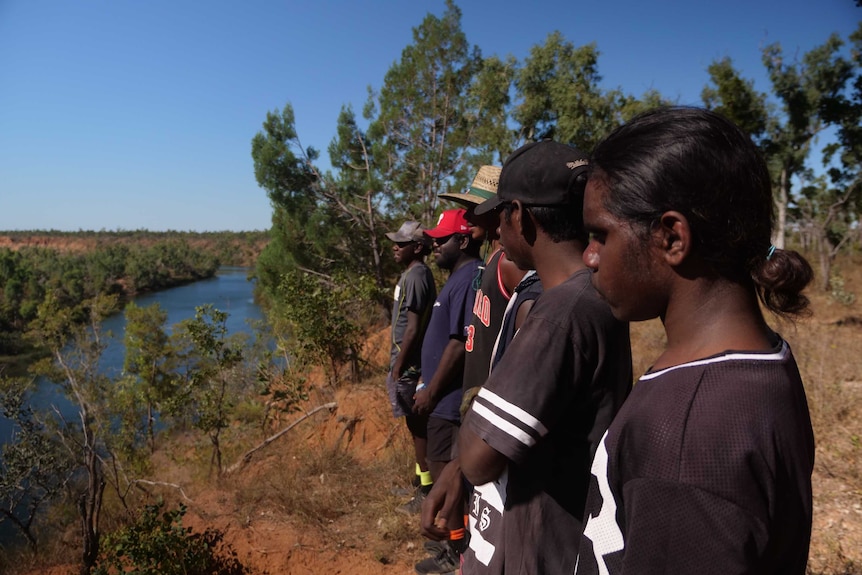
(408, 342)
(480, 463)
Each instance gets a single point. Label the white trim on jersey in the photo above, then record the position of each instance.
(503, 425)
(514, 411)
(735, 356)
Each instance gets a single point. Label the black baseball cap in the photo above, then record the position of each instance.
(541, 173)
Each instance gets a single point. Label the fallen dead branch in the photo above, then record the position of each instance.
(163, 484)
(246, 457)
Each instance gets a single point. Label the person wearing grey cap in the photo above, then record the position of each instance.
(413, 298)
(529, 436)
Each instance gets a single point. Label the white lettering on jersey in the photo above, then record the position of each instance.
(397, 294)
(602, 529)
(486, 497)
(485, 518)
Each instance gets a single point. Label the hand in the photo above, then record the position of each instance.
(423, 404)
(445, 500)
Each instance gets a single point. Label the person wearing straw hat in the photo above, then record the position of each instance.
(497, 281)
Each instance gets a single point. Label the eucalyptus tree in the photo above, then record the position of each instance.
(736, 98)
(424, 118)
(559, 92)
(321, 223)
(284, 169)
(149, 363)
(73, 364)
(832, 204)
(489, 97)
(34, 467)
(210, 391)
(804, 88)
(558, 96)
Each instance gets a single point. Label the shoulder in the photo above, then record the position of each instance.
(577, 303)
(757, 394)
(465, 275)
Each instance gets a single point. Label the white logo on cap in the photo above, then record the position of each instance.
(577, 164)
(440, 219)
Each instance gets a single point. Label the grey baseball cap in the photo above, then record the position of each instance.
(408, 232)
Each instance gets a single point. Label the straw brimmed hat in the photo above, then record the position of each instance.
(484, 187)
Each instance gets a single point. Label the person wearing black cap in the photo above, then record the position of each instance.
(527, 440)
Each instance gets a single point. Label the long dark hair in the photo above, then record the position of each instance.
(700, 164)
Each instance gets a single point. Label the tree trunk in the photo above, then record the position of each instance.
(825, 261)
(90, 506)
(151, 436)
(781, 212)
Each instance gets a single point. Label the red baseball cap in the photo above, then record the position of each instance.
(450, 222)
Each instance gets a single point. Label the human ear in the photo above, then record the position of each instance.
(675, 237)
(524, 222)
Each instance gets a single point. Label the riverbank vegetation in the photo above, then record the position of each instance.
(229, 248)
(198, 417)
(75, 266)
(30, 276)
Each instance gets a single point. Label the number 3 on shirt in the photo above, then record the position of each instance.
(471, 332)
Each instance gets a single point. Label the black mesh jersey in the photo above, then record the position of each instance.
(545, 407)
(706, 469)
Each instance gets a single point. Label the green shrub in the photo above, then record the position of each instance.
(158, 544)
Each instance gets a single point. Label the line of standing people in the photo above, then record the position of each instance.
(704, 465)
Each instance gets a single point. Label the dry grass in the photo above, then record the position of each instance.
(828, 347)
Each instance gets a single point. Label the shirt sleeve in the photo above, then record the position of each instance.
(416, 290)
(461, 308)
(528, 389)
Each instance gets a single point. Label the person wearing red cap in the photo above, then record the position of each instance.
(456, 251)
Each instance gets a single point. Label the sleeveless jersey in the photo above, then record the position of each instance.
(488, 308)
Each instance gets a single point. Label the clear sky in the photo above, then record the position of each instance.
(139, 114)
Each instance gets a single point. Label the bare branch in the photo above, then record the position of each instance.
(248, 454)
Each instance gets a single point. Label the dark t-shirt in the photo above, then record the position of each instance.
(487, 317)
(545, 406)
(450, 318)
(706, 469)
(528, 289)
(415, 291)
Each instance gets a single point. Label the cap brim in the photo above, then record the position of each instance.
(467, 200)
(438, 233)
(395, 237)
(488, 206)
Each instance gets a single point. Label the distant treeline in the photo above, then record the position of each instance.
(72, 267)
(229, 248)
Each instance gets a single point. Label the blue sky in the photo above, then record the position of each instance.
(138, 114)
